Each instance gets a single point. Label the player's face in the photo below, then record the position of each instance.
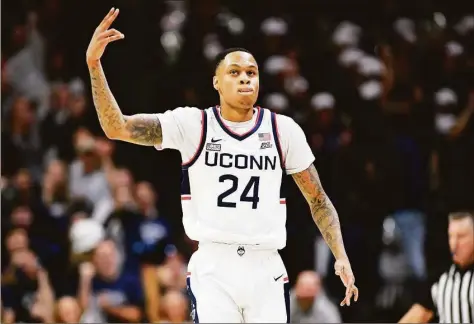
(237, 80)
(461, 240)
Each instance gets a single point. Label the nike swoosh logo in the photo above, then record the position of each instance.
(276, 279)
(216, 140)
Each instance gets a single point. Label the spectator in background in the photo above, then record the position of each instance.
(27, 295)
(43, 235)
(24, 68)
(172, 272)
(68, 113)
(175, 307)
(117, 295)
(21, 139)
(53, 127)
(88, 173)
(22, 209)
(309, 303)
(85, 235)
(143, 236)
(68, 310)
(55, 195)
(21, 190)
(15, 240)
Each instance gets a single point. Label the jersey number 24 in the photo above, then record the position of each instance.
(250, 193)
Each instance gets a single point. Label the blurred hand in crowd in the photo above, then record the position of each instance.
(26, 261)
(87, 271)
(175, 307)
(172, 274)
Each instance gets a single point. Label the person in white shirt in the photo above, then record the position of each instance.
(309, 302)
(234, 155)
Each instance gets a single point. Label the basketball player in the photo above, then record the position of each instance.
(233, 159)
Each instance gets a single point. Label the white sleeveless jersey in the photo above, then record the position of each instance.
(231, 183)
(231, 188)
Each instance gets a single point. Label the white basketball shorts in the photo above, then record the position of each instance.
(238, 284)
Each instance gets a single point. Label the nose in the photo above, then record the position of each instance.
(245, 80)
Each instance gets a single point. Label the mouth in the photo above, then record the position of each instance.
(245, 91)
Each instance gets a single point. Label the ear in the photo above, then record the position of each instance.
(215, 82)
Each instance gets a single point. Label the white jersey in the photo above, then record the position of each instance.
(232, 173)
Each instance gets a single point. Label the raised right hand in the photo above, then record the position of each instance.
(86, 270)
(102, 37)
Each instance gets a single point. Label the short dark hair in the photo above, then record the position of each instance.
(461, 215)
(221, 56)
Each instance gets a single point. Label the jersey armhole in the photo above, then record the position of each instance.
(276, 137)
(201, 142)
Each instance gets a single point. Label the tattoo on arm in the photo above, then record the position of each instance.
(110, 117)
(143, 129)
(323, 211)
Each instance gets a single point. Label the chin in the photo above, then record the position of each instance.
(458, 260)
(245, 103)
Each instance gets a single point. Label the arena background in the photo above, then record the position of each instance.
(384, 90)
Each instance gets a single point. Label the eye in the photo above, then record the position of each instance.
(251, 73)
(234, 72)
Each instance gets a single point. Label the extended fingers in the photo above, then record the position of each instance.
(356, 294)
(108, 19)
(112, 38)
(109, 33)
(347, 298)
(350, 291)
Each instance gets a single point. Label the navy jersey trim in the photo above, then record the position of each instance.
(277, 140)
(193, 301)
(185, 186)
(283, 189)
(286, 292)
(201, 143)
(239, 137)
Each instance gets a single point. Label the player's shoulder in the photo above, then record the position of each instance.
(188, 111)
(185, 115)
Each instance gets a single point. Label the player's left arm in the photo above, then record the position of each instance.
(326, 218)
(322, 210)
(297, 160)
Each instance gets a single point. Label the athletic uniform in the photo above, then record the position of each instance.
(233, 207)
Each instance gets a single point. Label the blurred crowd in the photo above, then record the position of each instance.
(91, 229)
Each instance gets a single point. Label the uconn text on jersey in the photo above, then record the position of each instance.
(240, 161)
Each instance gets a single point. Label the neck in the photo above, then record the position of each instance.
(111, 277)
(149, 211)
(305, 304)
(235, 114)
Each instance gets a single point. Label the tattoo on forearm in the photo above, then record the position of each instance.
(110, 117)
(323, 211)
(144, 129)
